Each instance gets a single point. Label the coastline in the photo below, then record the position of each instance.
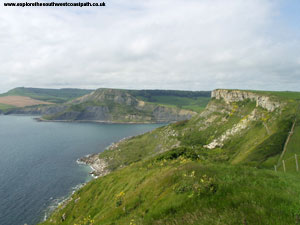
(39, 119)
(61, 202)
(98, 166)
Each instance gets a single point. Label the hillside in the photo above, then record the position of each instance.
(113, 105)
(190, 100)
(5, 107)
(21, 101)
(216, 168)
(48, 95)
(109, 105)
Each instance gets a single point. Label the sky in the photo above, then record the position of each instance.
(157, 44)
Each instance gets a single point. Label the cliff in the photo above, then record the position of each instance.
(230, 96)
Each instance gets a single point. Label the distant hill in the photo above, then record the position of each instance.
(48, 95)
(21, 101)
(190, 100)
(114, 105)
(119, 105)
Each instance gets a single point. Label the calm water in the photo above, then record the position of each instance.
(38, 162)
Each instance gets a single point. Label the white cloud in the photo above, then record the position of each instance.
(193, 44)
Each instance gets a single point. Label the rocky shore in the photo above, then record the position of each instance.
(99, 166)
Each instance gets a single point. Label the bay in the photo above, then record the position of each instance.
(38, 162)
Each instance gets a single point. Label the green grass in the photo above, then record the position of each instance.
(282, 94)
(4, 107)
(196, 104)
(138, 148)
(181, 191)
(292, 149)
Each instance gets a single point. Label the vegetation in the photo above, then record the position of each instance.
(5, 107)
(121, 106)
(293, 148)
(185, 94)
(196, 104)
(48, 95)
(190, 100)
(282, 94)
(181, 191)
(171, 176)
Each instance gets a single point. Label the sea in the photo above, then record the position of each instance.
(38, 168)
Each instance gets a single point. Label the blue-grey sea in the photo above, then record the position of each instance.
(38, 166)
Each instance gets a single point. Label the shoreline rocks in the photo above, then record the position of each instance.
(99, 166)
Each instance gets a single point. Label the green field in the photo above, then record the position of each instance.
(48, 95)
(190, 100)
(4, 107)
(282, 94)
(196, 104)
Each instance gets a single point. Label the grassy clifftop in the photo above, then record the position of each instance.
(216, 168)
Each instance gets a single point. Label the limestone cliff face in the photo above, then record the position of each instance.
(230, 96)
(225, 111)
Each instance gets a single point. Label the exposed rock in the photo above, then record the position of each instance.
(77, 199)
(63, 217)
(99, 166)
(230, 96)
(243, 124)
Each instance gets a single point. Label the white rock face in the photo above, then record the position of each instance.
(230, 96)
(243, 124)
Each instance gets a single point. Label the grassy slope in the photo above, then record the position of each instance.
(190, 100)
(161, 188)
(293, 148)
(196, 104)
(139, 147)
(4, 107)
(181, 191)
(51, 95)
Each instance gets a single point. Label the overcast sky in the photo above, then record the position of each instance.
(157, 44)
